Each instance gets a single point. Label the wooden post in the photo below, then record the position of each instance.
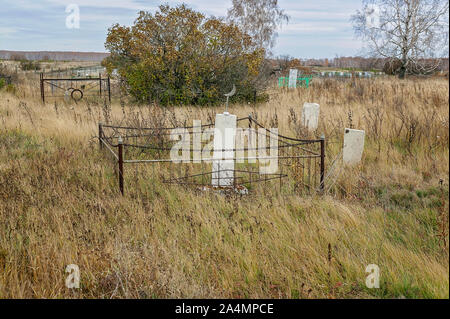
(120, 142)
(322, 163)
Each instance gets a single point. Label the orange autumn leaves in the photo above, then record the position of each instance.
(178, 56)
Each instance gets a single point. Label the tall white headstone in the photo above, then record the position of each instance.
(353, 146)
(293, 78)
(224, 145)
(310, 116)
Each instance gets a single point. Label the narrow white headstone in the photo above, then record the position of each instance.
(353, 146)
(293, 78)
(224, 139)
(310, 116)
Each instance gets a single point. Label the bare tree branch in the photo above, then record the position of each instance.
(411, 32)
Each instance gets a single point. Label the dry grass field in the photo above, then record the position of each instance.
(60, 205)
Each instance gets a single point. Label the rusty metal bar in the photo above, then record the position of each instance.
(100, 135)
(120, 165)
(322, 163)
(100, 82)
(224, 159)
(41, 79)
(109, 148)
(71, 79)
(109, 89)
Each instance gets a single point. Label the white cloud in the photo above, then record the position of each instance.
(309, 28)
(8, 30)
(318, 28)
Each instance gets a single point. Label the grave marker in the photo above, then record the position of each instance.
(353, 146)
(224, 145)
(310, 116)
(293, 78)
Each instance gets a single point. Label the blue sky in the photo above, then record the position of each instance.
(317, 29)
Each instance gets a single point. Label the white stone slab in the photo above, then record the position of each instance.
(353, 146)
(310, 116)
(224, 145)
(293, 78)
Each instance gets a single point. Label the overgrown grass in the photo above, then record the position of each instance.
(59, 205)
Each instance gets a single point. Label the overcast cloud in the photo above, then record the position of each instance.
(318, 28)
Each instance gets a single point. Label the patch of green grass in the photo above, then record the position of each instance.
(17, 144)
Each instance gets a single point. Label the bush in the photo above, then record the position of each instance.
(177, 56)
(26, 65)
(2, 83)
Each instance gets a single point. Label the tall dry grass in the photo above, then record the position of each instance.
(59, 204)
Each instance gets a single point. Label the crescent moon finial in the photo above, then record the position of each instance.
(233, 92)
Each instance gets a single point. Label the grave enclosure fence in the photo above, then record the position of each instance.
(74, 88)
(301, 162)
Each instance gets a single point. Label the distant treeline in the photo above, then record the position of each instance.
(52, 56)
(367, 64)
(351, 62)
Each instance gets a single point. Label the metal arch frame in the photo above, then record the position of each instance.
(43, 81)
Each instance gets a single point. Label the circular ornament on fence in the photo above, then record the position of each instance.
(76, 95)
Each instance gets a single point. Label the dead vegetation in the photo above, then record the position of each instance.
(59, 203)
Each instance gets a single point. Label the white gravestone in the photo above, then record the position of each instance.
(224, 145)
(353, 146)
(293, 78)
(310, 116)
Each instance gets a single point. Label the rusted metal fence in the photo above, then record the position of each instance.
(301, 162)
(74, 88)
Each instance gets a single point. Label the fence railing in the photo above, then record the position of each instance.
(301, 82)
(74, 88)
(301, 161)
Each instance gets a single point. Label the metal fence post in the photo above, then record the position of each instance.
(41, 80)
(322, 163)
(109, 89)
(120, 144)
(100, 81)
(100, 135)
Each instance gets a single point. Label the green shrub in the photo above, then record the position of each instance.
(26, 65)
(177, 56)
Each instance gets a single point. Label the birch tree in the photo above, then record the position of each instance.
(411, 34)
(258, 18)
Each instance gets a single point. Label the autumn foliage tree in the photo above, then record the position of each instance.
(179, 56)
